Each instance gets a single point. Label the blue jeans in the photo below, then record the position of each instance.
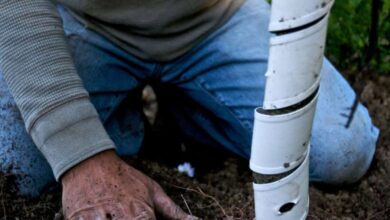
(211, 91)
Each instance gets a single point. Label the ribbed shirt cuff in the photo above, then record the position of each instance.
(70, 134)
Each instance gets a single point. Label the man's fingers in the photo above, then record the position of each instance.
(166, 207)
(140, 211)
(87, 214)
(114, 212)
(105, 210)
(145, 215)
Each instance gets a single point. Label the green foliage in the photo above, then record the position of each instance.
(383, 58)
(348, 35)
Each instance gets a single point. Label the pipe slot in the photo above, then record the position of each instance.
(288, 109)
(264, 178)
(305, 26)
(290, 14)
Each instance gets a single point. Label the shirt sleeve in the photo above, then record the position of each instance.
(41, 75)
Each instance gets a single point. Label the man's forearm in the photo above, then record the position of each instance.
(40, 73)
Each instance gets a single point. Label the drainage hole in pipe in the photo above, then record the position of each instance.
(286, 207)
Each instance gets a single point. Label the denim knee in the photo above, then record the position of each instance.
(342, 155)
(19, 157)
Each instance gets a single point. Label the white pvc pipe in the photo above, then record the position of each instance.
(285, 199)
(288, 14)
(294, 67)
(282, 127)
(280, 142)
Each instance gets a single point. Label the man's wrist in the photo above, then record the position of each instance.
(85, 166)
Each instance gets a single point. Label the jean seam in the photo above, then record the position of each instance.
(199, 84)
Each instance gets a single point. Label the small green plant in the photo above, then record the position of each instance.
(350, 46)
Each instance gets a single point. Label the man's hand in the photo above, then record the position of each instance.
(105, 187)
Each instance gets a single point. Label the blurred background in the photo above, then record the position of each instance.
(359, 36)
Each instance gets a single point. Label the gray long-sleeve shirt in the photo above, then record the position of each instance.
(41, 75)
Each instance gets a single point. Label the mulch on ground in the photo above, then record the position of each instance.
(222, 188)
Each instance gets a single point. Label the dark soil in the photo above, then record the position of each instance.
(222, 188)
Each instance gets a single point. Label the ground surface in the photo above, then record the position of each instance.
(222, 187)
